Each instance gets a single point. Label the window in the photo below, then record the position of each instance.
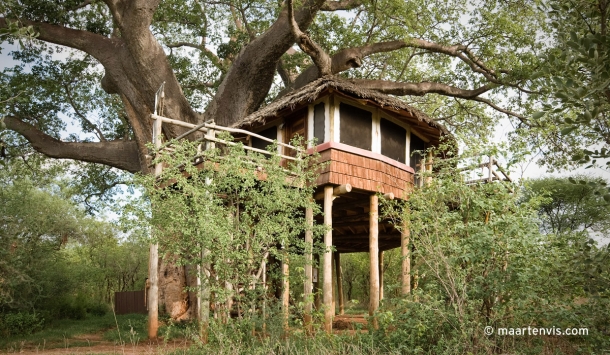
(416, 148)
(393, 140)
(270, 133)
(356, 126)
(318, 122)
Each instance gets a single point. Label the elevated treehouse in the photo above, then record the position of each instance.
(371, 143)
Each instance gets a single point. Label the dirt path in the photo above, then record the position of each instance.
(93, 344)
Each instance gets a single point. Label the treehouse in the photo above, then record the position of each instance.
(372, 144)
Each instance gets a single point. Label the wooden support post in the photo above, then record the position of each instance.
(380, 275)
(334, 287)
(153, 258)
(153, 292)
(265, 295)
(308, 284)
(203, 301)
(327, 288)
(374, 257)
(339, 283)
(317, 300)
(285, 292)
(406, 258)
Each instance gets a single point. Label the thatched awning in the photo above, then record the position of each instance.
(312, 91)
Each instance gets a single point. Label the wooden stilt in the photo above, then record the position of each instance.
(334, 286)
(317, 300)
(380, 275)
(327, 288)
(204, 297)
(265, 290)
(153, 259)
(406, 259)
(153, 291)
(308, 284)
(339, 283)
(374, 257)
(285, 292)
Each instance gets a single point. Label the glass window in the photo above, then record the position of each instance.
(318, 123)
(356, 126)
(393, 140)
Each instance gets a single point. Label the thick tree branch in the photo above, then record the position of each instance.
(352, 58)
(317, 54)
(119, 154)
(420, 89)
(247, 82)
(96, 45)
(340, 5)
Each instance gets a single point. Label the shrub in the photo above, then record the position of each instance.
(20, 323)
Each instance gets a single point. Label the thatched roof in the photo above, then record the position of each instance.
(310, 92)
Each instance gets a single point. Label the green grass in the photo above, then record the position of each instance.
(71, 333)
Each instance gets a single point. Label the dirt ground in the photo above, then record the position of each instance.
(94, 344)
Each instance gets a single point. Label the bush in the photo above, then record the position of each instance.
(20, 323)
(97, 309)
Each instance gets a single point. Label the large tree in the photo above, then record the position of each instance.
(99, 63)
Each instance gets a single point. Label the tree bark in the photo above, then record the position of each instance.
(119, 154)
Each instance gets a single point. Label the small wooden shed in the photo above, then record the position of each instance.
(368, 140)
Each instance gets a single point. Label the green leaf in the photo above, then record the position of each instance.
(538, 114)
(568, 130)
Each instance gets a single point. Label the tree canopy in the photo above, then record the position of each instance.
(100, 63)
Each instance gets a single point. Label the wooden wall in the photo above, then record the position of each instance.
(364, 173)
(129, 302)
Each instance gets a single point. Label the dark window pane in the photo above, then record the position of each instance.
(417, 144)
(356, 126)
(270, 133)
(393, 140)
(318, 122)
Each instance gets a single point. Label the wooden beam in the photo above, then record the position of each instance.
(327, 287)
(374, 258)
(153, 258)
(406, 259)
(337, 191)
(308, 284)
(153, 292)
(317, 301)
(380, 275)
(339, 283)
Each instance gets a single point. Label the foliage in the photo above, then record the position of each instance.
(64, 333)
(480, 260)
(230, 213)
(573, 123)
(55, 260)
(20, 323)
(573, 204)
